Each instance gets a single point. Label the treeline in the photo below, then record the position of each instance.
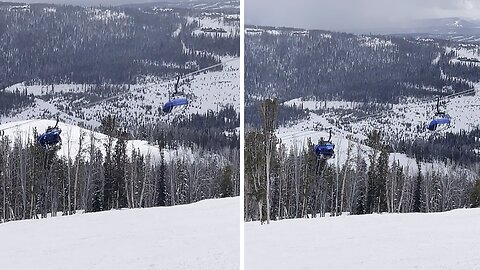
(10, 101)
(340, 66)
(212, 131)
(466, 71)
(35, 183)
(67, 44)
(462, 147)
(221, 44)
(364, 182)
(286, 114)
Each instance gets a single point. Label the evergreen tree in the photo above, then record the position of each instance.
(119, 173)
(381, 180)
(372, 176)
(226, 186)
(269, 113)
(475, 195)
(182, 178)
(360, 206)
(160, 186)
(417, 194)
(109, 127)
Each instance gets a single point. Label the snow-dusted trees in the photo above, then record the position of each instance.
(56, 60)
(160, 182)
(475, 195)
(226, 182)
(109, 128)
(119, 174)
(269, 112)
(255, 185)
(366, 181)
(36, 184)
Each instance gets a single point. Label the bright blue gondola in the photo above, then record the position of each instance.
(174, 100)
(50, 138)
(325, 149)
(172, 103)
(439, 121)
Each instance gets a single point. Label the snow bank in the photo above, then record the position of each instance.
(204, 235)
(449, 240)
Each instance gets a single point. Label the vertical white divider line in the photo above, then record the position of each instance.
(242, 134)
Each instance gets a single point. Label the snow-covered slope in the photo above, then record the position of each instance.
(71, 137)
(453, 28)
(347, 145)
(448, 241)
(207, 91)
(406, 120)
(401, 122)
(217, 24)
(204, 235)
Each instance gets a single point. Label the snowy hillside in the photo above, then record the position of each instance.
(134, 96)
(217, 24)
(351, 121)
(448, 241)
(204, 235)
(71, 136)
(406, 120)
(209, 91)
(207, 5)
(349, 145)
(453, 28)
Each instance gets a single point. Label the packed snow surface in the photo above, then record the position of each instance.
(449, 240)
(203, 235)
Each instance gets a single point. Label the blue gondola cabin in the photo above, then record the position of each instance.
(171, 104)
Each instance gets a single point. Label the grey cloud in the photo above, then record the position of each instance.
(354, 14)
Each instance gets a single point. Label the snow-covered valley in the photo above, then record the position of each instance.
(210, 91)
(350, 123)
(403, 121)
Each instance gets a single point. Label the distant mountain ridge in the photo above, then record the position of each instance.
(454, 28)
(128, 2)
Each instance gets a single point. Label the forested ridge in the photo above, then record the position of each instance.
(104, 50)
(286, 63)
(68, 44)
(210, 131)
(333, 65)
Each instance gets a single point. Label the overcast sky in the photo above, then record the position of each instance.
(352, 15)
